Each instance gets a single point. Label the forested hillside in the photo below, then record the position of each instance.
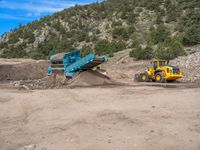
(151, 28)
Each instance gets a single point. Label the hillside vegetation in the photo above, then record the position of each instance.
(152, 28)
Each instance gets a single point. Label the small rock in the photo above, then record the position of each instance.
(16, 84)
(30, 147)
(109, 141)
(25, 87)
(152, 131)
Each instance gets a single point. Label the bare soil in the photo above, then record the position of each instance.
(118, 118)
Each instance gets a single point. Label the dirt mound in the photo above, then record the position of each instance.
(90, 78)
(23, 71)
(85, 79)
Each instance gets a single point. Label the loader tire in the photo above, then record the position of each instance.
(137, 77)
(144, 77)
(160, 78)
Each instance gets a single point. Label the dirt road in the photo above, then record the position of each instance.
(120, 118)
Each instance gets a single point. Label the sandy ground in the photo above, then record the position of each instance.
(118, 118)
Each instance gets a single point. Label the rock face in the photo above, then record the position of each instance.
(190, 65)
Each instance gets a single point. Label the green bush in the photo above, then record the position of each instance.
(116, 23)
(132, 18)
(172, 11)
(13, 38)
(35, 54)
(97, 31)
(3, 45)
(159, 19)
(140, 53)
(135, 44)
(81, 36)
(120, 33)
(131, 30)
(118, 45)
(58, 26)
(65, 44)
(192, 36)
(14, 52)
(170, 49)
(172, 16)
(159, 34)
(86, 50)
(153, 4)
(104, 47)
(188, 20)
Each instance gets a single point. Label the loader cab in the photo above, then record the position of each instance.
(158, 63)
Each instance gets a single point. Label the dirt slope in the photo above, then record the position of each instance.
(22, 69)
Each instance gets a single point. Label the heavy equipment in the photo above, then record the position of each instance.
(159, 71)
(71, 64)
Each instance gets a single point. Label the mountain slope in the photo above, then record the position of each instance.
(106, 27)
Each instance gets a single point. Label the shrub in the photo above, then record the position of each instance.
(35, 54)
(132, 18)
(139, 10)
(65, 44)
(170, 49)
(131, 30)
(192, 35)
(118, 45)
(159, 34)
(97, 31)
(81, 36)
(86, 50)
(140, 53)
(135, 44)
(159, 19)
(187, 21)
(13, 38)
(104, 47)
(120, 33)
(3, 45)
(14, 52)
(116, 23)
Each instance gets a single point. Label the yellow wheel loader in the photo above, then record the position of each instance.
(159, 71)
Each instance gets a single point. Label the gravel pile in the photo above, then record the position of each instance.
(90, 78)
(49, 82)
(190, 65)
(85, 79)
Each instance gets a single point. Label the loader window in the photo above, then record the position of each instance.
(162, 63)
(167, 70)
(154, 65)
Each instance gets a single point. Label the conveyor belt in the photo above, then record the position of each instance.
(72, 64)
(92, 64)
